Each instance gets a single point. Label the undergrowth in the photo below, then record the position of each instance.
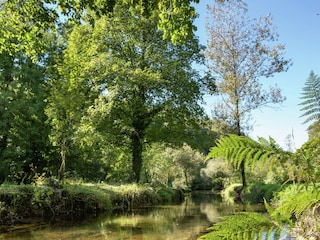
(258, 192)
(52, 199)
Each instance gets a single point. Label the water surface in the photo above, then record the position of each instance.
(167, 222)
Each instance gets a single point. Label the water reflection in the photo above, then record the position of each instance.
(170, 222)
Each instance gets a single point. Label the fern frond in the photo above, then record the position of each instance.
(293, 202)
(311, 96)
(237, 149)
(242, 225)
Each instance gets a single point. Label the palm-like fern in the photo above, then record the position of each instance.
(311, 98)
(242, 225)
(292, 204)
(237, 149)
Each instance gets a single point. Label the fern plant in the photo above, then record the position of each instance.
(289, 206)
(241, 149)
(311, 104)
(242, 225)
(306, 162)
(311, 98)
(293, 202)
(298, 206)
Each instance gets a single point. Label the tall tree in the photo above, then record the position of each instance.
(311, 104)
(24, 145)
(23, 141)
(147, 88)
(70, 95)
(239, 53)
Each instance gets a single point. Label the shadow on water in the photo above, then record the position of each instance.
(167, 222)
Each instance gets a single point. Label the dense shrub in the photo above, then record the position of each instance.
(257, 192)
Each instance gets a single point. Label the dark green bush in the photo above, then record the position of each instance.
(257, 192)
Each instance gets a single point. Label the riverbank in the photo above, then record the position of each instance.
(18, 203)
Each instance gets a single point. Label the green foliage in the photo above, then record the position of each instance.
(238, 149)
(24, 25)
(128, 196)
(172, 166)
(14, 200)
(26, 28)
(229, 193)
(305, 164)
(311, 99)
(258, 192)
(218, 173)
(44, 200)
(122, 85)
(242, 225)
(295, 202)
(158, 165)
(87, 198)
(175, 18)
(169, 195)
(203, 137)
(24, 146)
(42, 197)
(297, 206)
(291, 203)
(188, 163)
(310, 104)
(109, 68)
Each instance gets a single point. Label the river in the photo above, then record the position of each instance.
(166, 222)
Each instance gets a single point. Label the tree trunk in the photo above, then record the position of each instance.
(186, 177)
(238, 130)
(62, 168)
(136, 147)
(3, 143)
(139, 124)
(243, 175)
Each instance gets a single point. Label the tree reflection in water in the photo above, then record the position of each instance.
(166, 222)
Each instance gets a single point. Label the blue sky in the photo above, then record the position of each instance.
(298, 25)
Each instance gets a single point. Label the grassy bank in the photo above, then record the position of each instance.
(20, 202)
